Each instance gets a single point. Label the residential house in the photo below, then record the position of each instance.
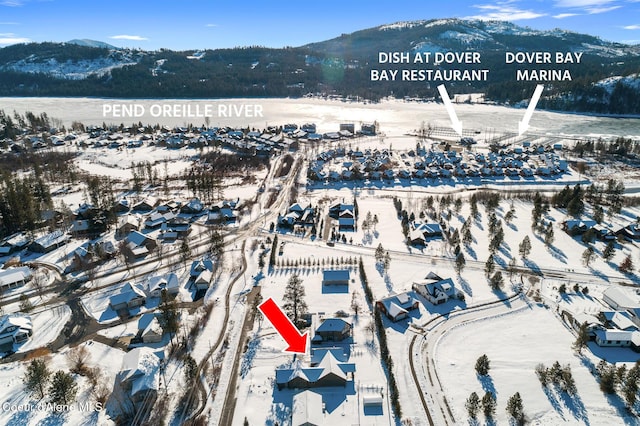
(14, 277)
(139, 375)
(146, 205)
(14, 243)
(140, 244)
(332, 330)
(202, 273)
(194, 206)
(614, 338)
(126, 224)
(49, 242)
(416, 238)
(619, 299)
(630, 232)
(328, 373)
(168, 282)
(15, 328)
(149, 328)
(347, 221)
(223, 212)
(336, 277)
(429, 230)
(435, 289)
(157, 219)
(130, 296)
(307, 409)
(577, 227)
(397, 306)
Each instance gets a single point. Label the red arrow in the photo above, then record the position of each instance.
(283, 325)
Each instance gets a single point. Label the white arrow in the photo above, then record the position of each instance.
(455, 123)
(524, 124)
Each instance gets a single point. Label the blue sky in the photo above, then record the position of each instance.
(197, 24)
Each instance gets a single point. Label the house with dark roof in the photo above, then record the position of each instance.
(328, 372)
(577, 226)
(630, 232)
(332, 330)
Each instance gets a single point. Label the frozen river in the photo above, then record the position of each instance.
(395, 117)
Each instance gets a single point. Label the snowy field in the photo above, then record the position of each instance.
(515, 343)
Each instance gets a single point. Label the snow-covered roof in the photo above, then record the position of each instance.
(307, 409)
(15, 320)
(198, 266)
(52, 238)
(141, 368)
(127, 293)
(620, 297)
(158, 283)
(331, 325)
(14, 275)
(137, 238)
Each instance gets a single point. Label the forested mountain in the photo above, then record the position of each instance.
(606, 80)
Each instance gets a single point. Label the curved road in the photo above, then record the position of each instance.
(422, 351)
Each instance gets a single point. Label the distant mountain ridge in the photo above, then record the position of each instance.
(604, 82)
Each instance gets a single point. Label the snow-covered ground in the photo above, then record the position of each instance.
(515, 343)
(19, 408)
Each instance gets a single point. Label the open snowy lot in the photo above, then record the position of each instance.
(515, 343)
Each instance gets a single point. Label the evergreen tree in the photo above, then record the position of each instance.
(548, 235)
(496, 281)
(272, 254)
(460, 263)
(190, 369)
(63, 388)
(489, 405)
(609, 251)
(525, 247)
(467, 238)
(489, 266)
(294, 304)
(582, 339)
(483, 365)
(168, 314)
(36, 377)
(515, 408)
(387, 261)
(473, 405)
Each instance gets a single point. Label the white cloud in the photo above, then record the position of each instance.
(504, 11)
(591, 7)
(631, 27)
(12, 3)
(565, 15)
(9, 23)
(129, 37)
(582, 3)
(11, 38)
(596, 10)
(211, 25)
